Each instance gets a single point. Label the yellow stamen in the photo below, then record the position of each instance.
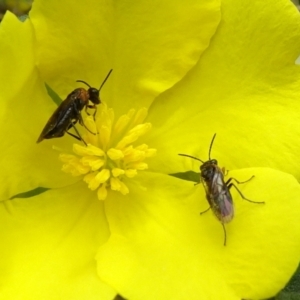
(124, 189)
(130, 173)
(115, 154)
(134, 134)
(115, 184)
(117, 172)
(110, 157)
(139, 166)
(103, 175)
(102, 192)
(89, 150)
(94, 162)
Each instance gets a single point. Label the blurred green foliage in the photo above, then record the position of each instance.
(18, 7)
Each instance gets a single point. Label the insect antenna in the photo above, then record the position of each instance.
(211, 143)
(193, 157)
(84, 83)
(105, 79)
(101, 84)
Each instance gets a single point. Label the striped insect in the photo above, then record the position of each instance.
(217, 190)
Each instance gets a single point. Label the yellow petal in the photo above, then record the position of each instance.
(25, 109)
(50, 243)
(120, 35)
(245, 88)
(163, 245)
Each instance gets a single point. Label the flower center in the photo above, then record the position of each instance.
(111, 156)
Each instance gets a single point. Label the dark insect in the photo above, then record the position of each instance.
(69, 112)
(217, 190)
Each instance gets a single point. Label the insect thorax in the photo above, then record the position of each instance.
(208, 169)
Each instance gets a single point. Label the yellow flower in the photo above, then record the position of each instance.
(61, 262)
(195, 78)
(109, 156)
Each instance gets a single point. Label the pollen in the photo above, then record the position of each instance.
(112, 155)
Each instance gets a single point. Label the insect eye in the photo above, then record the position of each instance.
(94, 91)
(94, 95)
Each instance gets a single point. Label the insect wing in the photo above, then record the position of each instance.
(219, 197)
(57, 116)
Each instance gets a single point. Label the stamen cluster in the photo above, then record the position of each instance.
(110, 155)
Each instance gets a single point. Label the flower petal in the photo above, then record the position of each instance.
(162, 246)
(72, 42)
(150, 45)
(246, 88)
(24, 164)
(49, 243)
(156, 44)
(148, 251)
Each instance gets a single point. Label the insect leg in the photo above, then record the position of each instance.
(91, 106)
(224, 234)
(202, 212)
(75, 136)
(239, 182)
(88, 129)
(232, 184)
(78, 136)
(94, 115)
(82, 123)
